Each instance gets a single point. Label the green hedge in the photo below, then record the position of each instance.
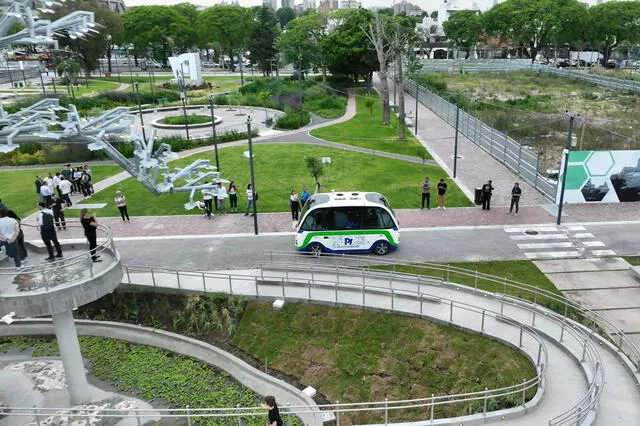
(293, 119)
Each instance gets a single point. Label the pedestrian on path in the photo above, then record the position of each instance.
(304, 196)
(45, 193)
(233, 197)
(65, 189)
(207, 198)
(39, 184)
(442, 194)
(486, 195)
(90, 224)
(48, 231)
(58, 212)
(269, 403)
(20, 240)
(426, 192)
(222, 198)
(516, 192)
(9, 232)
(294, 203)
(121, 203)
(249, 199)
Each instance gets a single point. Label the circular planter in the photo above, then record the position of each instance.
(160, 125)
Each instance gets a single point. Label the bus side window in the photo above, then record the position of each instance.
(310, 222)
(370, 220)
(384, 219)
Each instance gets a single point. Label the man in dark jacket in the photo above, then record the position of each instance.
(486, 195)
(48, 231)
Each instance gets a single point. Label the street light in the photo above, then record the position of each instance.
(565, 168)
(253, 178)
(183, 96)
(137, 89)
(213, 132)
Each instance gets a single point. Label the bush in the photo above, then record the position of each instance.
(221, 100)
(314, 92)
(293, 119)
(433, 81)
(190, 119)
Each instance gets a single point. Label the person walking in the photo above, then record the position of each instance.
(207, 198)
(121, 203)
(304, 196)
(65, 188)
(221, 196)
(516, 192)
(45, 193)
(90, 224)
(77, 179)
(233, 197)
(56, 185)
(20, 239)
(48, 231)
(442, 194)
(426, 192)
(250, 200)
(294, 203)
(58, 213)
(9, 232)
(67, 173)
(269, 403)
(486, 195)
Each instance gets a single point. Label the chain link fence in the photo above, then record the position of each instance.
(522, 160)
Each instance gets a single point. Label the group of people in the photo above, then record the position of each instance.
(296, 202)
(216, 198)
(64, 183)
(426, 193)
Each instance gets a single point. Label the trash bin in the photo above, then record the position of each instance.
(394, 107)
(164, 100)
(107, 74)
(477, 199)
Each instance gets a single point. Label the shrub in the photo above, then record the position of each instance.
(190, 119)
(433, 81)
(221, 100)
(293, 119)
(315, 92)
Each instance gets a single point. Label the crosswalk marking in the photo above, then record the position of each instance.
(574, 228)
(532, 228)
(584, 235)
(593, 244)
(540, 237)
(551, 254)
(531, 246)
(603, 252)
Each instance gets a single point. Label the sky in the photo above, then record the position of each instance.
(428, 5)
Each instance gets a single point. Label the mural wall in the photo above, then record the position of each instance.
(602, 176)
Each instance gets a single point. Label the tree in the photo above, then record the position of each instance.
(227, 25)
(188, 38)
(262, 38)
(380, 33)
(612, 24)
(284, 15)
(302, 40)
(532, 23)
(464, 29)
(92, 47)
(154, 29)
(347, 50)
(316, 169)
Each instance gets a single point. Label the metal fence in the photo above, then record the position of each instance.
(522, 160)
(507, 65)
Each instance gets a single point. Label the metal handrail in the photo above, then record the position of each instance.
(51, 268)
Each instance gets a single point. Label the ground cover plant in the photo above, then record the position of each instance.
(189, 119)
(633, 260)
(154, 375)
(279, 168)
(530, 107)
(366, 130)
(19, 191)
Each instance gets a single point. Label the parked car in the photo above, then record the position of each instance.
(150, 63)
(580, 63)
(611, 64)
(562, 63)
(210, 65)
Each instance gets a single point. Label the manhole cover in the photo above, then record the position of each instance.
(531, 232)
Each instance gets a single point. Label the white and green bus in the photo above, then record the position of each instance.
(347, 222)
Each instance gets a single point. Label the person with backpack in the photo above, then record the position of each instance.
(48, 231)
(58, 212)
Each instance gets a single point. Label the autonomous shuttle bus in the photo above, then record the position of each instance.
(347, 222)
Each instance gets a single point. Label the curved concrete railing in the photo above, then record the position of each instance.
(63, 285)
(158, 124)
(247, 375)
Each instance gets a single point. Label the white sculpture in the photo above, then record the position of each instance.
(186, 69)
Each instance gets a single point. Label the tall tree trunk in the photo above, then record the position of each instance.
(384, 94)
(109, 51)
(402, 133)
(324, 73)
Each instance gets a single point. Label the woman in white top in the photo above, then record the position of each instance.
(294, 203)
(233, 197)
(121, 202)
(249, 199)
(9, 232)
(221, 196)
(207, 197)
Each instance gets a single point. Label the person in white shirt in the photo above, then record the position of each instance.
(9, 232)
(121, 203)
(221, 196)
(249, 199)
(45, 192)
(56, 184)
(207, 197)
(65, 188)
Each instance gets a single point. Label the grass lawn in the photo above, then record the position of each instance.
(633, 260)
(366, 130)
(280, 168)
(95, 87)
(630, 74)
(353, 355)
(19, 191)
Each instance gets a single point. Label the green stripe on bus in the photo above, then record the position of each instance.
(346, 232)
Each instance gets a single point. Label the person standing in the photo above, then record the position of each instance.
(45, 193)
(426, 192)
(207, 198)
(486, 195)
(214, 192)
(121, 203)
(233, 197)
(221, 196)
(65, 188)
(20, 239)
(442, 194)
(9, 232)
(58, 213)
(516, 192)
(48, 231)
(269, 403)
(304, 196)
(88, 171)
(294, 203)
(77, 179)
(56, 184)
(67, 173)
(89, 224)
(39, 184)
(249, 199)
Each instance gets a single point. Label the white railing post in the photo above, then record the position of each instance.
(433, 401)
(153, 278)
(230, 286)
(138, 418)
(539, 353)
(238, 419)
(204, 283)
(482, 324)
(337, 412)
(188, 416)
(486, 398)
(520, 344)
(386, 411)
(37, 414)
(178, 279)
(524, 390)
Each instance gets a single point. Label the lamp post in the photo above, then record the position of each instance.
(253, 178)
(213, 132)
(565, 168)
(415, 130)
(137, 89)
(183, 96)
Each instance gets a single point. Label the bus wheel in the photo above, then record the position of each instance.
(381, 248)
(316, 249)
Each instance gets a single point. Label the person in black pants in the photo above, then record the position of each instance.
(486, 195)
(294, 203)
(426, 192)
(89, 224)
(48, 231)
(516, 192)
(58, 213)
(269, 403)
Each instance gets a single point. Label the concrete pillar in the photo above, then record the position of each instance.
(71, 357)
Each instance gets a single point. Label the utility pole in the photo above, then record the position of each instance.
(565, 152)
(455, 144)
(253, 178)
(415, 130)
(213, 131)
